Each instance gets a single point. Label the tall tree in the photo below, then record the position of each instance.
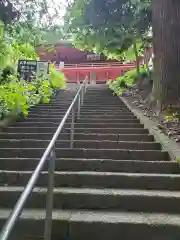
(166, 35)
(109, 26)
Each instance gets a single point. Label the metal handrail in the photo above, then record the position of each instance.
(50, 155)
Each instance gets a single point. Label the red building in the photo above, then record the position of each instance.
(81, 64)
(66, 52)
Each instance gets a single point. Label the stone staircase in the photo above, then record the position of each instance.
(115, 184)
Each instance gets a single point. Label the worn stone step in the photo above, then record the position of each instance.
(106, 125)
(122, 110)
(104, 120)
(34, 143)
(66, 136)
(98, 165)
(110, 137)
(106, 114)
(119, 154)
(109, 130)
(106, 225)
(38, 123)
(52, 107)
(104, 107)
(167, 182)
(97, 199)
(107, 117)
(35, 219)
(103, 102)
(62, 104)
(113, 154)
(81, 125)
(48, 120)
(85, 120)
(49, 111)
(35, 129)
(52, 129)
(46, 115)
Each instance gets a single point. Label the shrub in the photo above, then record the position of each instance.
(16, 97)
(57, 78)
(6, 73)
(121, 83)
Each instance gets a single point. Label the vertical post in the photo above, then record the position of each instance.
(72, 128)
(49, 201)
(86, 83)
(82, 97)
(79, 106)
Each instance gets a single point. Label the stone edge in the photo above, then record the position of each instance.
(167, 144)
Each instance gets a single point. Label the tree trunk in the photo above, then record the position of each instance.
(137, 57)
(166, 45)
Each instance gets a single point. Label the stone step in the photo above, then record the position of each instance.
(122, 110)
(66, 136)
(104, 120)
(61, 104)
(52, 129)
(109, 130)
(104, 116)
(107, 116)
(106, 225)
(56, 120)
(104, 107)
(142, 181)
(98, 199)
(52, 107)
(103, 103)
(85, 120)
(80, 125)
(49, 112)
(98, 165)
(116, 154)
(46, 115)
(34, 143)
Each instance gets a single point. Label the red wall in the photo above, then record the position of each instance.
(62, 51)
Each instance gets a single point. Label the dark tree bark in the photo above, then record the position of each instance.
(166, 44)
(137, 57)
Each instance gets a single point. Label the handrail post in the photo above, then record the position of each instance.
(49, 201)
(86, 84)
(82, 97)
(72, 128)
(79, 107)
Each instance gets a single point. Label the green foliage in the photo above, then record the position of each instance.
(57, 78)
(6, 73)
(121, 83)
(116, 87)
(109, 26)
(17, 41)
(16, 97)
(171, 118)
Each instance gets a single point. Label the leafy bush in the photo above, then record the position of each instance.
(16, 97)
(121, 83)
(57, 78)
(6, 73)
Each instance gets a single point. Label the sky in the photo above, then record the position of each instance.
(61, 6)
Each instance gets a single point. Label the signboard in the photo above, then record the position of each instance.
(30, 69)
(93, 57)
(27, 69)
(42, 69)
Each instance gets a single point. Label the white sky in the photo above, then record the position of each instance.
(61, 7)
